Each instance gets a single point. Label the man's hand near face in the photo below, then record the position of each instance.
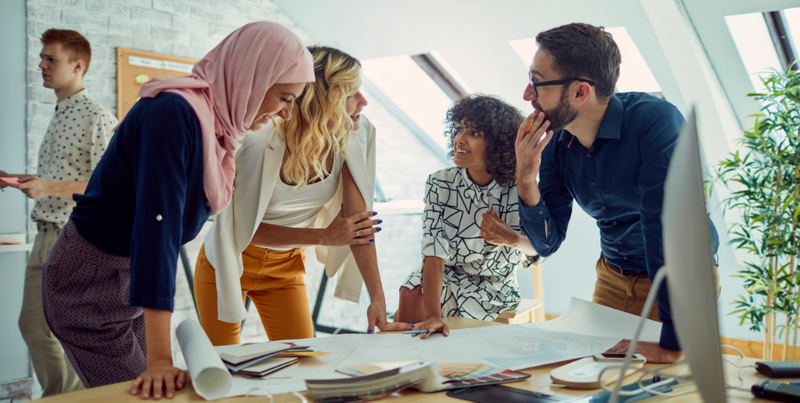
(532, 138)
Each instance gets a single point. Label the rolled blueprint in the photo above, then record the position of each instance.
(209, 375)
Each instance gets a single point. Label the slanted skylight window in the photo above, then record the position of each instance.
(752, 39)
(792, 16)
(413, 91)
(634, 75)
(451, 71)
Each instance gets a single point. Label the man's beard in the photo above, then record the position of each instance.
(561, 115)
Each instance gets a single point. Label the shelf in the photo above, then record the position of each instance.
(25, 247)
(20, 247)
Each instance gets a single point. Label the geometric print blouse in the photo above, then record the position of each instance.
(454, 207)
(479, 279)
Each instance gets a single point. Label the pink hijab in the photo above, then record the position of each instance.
(227, 87)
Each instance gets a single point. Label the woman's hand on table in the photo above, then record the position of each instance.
(160, 379)
(432, 325)
(376, 317)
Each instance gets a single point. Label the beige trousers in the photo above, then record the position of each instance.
(52, 367)
(627, 294)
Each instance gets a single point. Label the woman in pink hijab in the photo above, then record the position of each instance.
(109, 282)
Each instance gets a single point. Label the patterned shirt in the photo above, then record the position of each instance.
(75, 141)
(454, 207)
(479, 280)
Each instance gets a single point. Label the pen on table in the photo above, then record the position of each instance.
(418, 331)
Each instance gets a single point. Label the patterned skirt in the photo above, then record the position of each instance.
(472, 296)
(85, 295)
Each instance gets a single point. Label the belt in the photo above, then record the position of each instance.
(625, 272)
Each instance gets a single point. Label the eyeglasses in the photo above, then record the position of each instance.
(534, 85)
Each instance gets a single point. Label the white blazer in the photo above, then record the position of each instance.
(258, 164)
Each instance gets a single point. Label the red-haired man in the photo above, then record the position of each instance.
(72, 146)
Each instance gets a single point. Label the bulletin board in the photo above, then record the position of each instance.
(135, 67)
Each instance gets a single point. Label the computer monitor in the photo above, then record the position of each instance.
(689, 265)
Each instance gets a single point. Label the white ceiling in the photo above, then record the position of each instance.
(473, 35)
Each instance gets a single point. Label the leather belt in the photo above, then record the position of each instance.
(625, 272)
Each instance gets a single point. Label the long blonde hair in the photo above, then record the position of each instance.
(321, 125)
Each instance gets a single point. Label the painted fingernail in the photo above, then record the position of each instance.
(380, 221)
(369, 331)
(411, 323)
(374, 213)
(372, 240)
(378, 229)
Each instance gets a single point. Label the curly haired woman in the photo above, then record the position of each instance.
(471, 242)
(287, 196)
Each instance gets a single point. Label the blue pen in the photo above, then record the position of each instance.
(418, 331)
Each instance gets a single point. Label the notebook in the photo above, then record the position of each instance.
(267, 367)
(239, 356)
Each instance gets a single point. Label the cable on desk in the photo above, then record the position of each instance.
(650, 388)
(741, 354)
(741, 367)
(269, 395)
(656, 375)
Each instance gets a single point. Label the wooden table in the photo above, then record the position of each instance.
(540, 376)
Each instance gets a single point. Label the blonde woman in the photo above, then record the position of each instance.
(307, 181)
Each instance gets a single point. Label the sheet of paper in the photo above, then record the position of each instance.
(377, 354)
(506, 347)
(209, 375)
(587, 318)
(517, 347)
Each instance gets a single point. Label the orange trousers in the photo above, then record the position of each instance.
(274, 282)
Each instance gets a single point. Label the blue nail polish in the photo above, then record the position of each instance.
(374, 213)
(369, 331)
(411, 323)
(372, 240)
(380, 221)
(378, 229)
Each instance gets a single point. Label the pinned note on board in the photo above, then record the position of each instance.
(142, 78)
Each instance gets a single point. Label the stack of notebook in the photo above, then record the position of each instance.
(266, 367)
(262, 359)
(370, 387)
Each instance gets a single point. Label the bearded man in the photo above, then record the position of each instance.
(610, 153)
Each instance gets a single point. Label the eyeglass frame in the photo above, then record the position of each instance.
(553, 82)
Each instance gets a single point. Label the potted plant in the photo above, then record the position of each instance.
(764, 186)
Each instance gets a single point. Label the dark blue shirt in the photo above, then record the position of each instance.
(146, 196)
(619, 181)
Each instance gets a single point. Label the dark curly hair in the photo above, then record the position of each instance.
(498, 121)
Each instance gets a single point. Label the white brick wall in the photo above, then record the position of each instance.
(191, 29)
